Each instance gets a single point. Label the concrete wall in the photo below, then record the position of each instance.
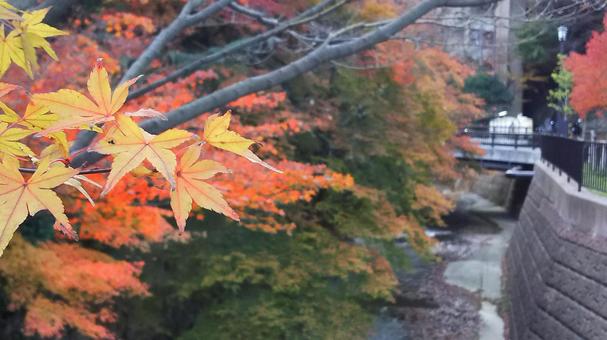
(556, 264)
(494, 186)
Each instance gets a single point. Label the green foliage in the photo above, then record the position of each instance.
(489, 88)
(558, 98)
(388, 173)
(39, 227)
(537, 43)
(364, 101)
(234, 283)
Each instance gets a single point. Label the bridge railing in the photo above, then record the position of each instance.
(503, 137)
(583, 161)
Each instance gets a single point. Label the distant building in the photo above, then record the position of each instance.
(511, 124)
(483, 36)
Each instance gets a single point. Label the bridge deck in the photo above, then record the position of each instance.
(507, 155)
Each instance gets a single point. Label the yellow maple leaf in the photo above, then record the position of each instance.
(31, 32)
(11, 50)
(36, 119)
(8, 12)
(77, 111)
(9, 141)
(20, 197)
(130, 145)
(190, 174)
(217, 134)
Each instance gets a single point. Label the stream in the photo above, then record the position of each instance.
(459, 296)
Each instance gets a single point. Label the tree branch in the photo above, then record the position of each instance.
(257, 15)
(254, 84)
(307, 16)
(182, 21)
(82, 172)
(467, 3)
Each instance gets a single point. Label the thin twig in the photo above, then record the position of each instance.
(82, 172)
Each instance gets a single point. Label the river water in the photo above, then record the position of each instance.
(459, 296)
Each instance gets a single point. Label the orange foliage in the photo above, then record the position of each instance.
(430, 201)
(467, 145)
(86, 280)
(372, 10)
(127, 25)
(172, 95)
(131, 222)
(250, 192)
(259, 100)
(590, 75)
(443, 76)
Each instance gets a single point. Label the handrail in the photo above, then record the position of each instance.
(493, 139)
(583, 161)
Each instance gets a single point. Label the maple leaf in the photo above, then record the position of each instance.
(131, 145)
(77, 111)
(28, 33)
(35, 119)
(217, 134)
(11, 50)
(9, 141)
(190, 174)
(31, 32)
(8, 12)
(20, 197)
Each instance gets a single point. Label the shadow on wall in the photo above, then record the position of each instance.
(501, 190)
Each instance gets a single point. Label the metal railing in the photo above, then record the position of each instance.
(564, 154)
(583, 161)
(495, 137)
(595, 166)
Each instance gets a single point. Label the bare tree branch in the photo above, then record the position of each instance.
(307, 16)
(81, 172)
(182, 21)
(467, 3)
(307, 63)
(257, 15)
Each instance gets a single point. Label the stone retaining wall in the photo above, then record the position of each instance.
(556, 263)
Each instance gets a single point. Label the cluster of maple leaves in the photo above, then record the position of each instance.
(175, 153)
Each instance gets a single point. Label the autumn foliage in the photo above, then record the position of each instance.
(280, 235)
(589, 91)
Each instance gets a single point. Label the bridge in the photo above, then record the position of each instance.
(503, 150)
(516, 152)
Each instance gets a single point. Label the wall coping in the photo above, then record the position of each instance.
(584, 212)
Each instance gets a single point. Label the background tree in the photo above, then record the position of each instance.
(558, 98)
(588, 93)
